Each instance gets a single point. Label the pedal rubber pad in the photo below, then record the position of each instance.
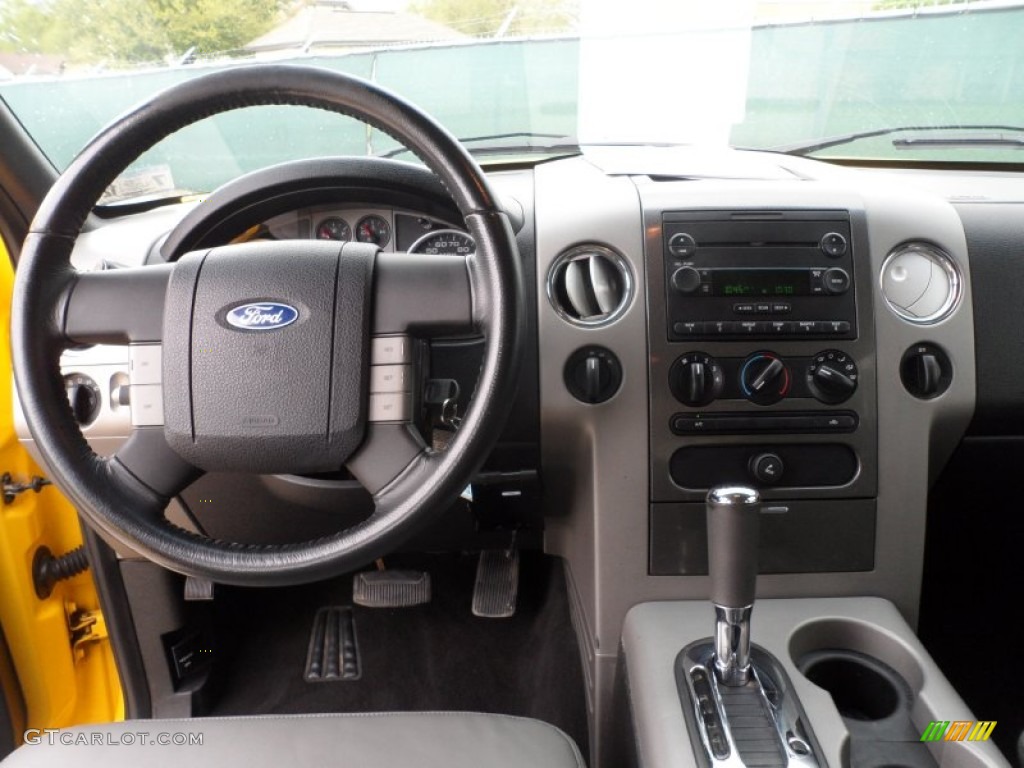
(333, 653)
(391, 589)
(497, 584)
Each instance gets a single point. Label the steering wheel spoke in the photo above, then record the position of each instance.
(151, 461)
(387, 450)
(117, 306)
(423, 294)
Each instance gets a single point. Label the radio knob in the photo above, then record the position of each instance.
(832, 376)
(686, 280)
(836, 281)
(695, 379)
(764, 378)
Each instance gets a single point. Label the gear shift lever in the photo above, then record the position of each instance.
(733, 529)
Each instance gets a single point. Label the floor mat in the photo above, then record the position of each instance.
(430, 657)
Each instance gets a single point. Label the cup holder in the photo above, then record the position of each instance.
(862, 688)
(872, 679)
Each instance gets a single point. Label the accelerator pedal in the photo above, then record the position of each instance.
(497, 584)
(391, 589)
(333, 653)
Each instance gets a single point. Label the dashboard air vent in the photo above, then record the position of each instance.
(590, 285)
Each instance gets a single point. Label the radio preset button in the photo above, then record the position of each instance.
(781, 308)
(743, 309)
(833, 244)
(682, 245)
(688, 328)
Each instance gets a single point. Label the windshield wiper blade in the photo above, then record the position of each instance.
(810, 147)
(967, 140)
(553, 142)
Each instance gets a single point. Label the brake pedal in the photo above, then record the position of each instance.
(333, 653)
(497, 584)
(391, 589)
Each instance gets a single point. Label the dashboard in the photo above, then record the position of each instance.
(693, 319)
(828, 335)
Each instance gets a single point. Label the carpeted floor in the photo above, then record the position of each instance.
(433, 657)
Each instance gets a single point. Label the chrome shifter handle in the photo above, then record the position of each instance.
(734, 515)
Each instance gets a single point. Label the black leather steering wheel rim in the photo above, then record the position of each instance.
(113, 499)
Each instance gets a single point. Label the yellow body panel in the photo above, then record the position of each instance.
(58, 688)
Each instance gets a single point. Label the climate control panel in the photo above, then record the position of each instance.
(763, 377)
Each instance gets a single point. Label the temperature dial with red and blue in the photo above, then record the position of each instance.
(764, 378)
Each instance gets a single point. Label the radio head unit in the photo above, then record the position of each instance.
(750, 275)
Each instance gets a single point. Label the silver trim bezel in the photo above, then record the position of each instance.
(948, 265)
(578, 252)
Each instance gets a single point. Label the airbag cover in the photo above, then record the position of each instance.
(265, 356)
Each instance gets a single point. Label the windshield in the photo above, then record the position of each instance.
(896, 80)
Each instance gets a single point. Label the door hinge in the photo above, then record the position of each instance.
(84, 627)
(11, 489)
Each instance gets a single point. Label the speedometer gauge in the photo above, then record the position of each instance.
(333, 228)
(450, 241)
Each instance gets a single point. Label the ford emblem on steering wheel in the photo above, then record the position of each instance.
(262, 316)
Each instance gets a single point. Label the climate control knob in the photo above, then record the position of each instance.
(832, 376)
(695, 379)
(764, 378)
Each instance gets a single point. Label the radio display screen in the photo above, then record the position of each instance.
(751, 283)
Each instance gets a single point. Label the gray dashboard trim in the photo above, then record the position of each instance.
(596, 458)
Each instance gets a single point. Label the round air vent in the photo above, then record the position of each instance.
(590, 285)
(921, 283)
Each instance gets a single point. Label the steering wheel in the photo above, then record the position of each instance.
(266, 357)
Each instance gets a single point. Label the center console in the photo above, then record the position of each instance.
(763, 372)
(808, 337)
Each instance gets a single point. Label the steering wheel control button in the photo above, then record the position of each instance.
(390, 350)
(593, 374)
(145, 363)
(767, 468)
(836, 281)
(764, 378)
(833, 244)
(147, 405)
(696, 379)
(387, 379)
(832, 376)
(390, 407)
(926, 371)
(682, 245)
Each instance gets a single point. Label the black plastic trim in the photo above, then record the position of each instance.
(12, 702)
(995, 233)
(120, 625)
(25, 177)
